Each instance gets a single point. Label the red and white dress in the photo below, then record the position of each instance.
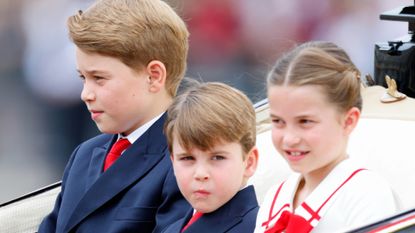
(348, 197)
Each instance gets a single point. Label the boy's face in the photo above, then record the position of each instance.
(117, 97)
(209, 179)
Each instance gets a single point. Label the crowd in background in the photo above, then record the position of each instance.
(234, 41)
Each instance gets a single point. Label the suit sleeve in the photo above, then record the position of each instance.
(48, 224)
(174, 206)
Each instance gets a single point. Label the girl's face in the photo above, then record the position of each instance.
(308, 131)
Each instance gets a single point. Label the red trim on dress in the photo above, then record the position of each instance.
(302, 224)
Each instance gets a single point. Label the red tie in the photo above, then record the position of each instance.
(195, 217)
(115, 152)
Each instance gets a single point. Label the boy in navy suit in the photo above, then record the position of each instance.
(131, 56)
(211, 133)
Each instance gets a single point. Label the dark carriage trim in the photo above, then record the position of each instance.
(32, 194)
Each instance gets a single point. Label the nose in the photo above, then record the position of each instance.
(87, 94)
(291, 138)
(201, 172)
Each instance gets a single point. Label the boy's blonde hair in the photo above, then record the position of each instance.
(211, 113)
(323, 64)
(136, 32)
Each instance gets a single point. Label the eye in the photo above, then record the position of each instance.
(98, 78)
(306, 121)
(218, 157)
(186, 158)
(277, 122)
(82, 77)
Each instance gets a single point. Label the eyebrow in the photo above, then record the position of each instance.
(223, 152)
(181, 154)
(212, 152)
(94, 72)
(306, 115)
(273, 115)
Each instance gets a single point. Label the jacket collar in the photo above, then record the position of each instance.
(135, 162)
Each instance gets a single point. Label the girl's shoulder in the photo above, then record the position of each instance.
(366, 179)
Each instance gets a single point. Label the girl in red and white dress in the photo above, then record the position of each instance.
(315, 103)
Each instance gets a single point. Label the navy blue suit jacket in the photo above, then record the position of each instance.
(238, 215)
(138, 193)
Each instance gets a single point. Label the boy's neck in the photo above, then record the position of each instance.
(133, 136)
(161, 103)
(158, 105)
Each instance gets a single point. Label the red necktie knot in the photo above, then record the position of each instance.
(195, 217)
(115, 152)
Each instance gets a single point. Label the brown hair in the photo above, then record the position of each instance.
(323, 64)
(136, 32)
(211, 113)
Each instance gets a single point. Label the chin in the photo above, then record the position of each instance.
(101, 129)
(203, 207)
(297, 169)
(206, 210)
(107, 130)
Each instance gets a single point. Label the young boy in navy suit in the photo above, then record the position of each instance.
(211, 132)
(131, 56)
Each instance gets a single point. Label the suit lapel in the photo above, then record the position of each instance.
(228, 215)
(134, 163)
(97, 162)
(223, 220)
(179, 225)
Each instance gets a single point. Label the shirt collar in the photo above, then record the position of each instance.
(132, 137)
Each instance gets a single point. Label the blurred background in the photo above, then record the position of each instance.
(42, 118)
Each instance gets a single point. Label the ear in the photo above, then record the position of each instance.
(251, 162)
(157, 79)
(350, 120)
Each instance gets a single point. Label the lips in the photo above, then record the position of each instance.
(201, 193)
(95, 114)
(296, 155)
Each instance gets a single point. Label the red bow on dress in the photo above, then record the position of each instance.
(290, 223)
